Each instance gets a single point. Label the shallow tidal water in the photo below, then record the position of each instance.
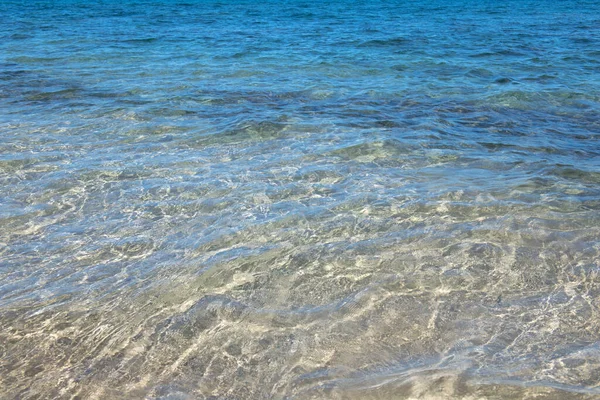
(299, 200)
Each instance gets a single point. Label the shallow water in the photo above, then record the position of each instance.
(211, 199)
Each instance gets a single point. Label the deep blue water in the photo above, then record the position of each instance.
(300, 199)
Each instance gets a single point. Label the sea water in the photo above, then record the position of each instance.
(299, 199)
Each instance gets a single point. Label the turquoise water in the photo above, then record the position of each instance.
(248, 200)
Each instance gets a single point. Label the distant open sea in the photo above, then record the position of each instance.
(229, 199)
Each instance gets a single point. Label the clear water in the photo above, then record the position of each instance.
(300, 199)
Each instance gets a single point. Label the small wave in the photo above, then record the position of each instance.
(392, 42)
(498, 53)
(141, 40)
(34, 60)
(574, 174)
(374, 151)
(256, 130)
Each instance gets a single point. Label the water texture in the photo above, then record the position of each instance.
(300, 200)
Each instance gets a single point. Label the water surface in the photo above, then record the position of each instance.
(345, 199)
